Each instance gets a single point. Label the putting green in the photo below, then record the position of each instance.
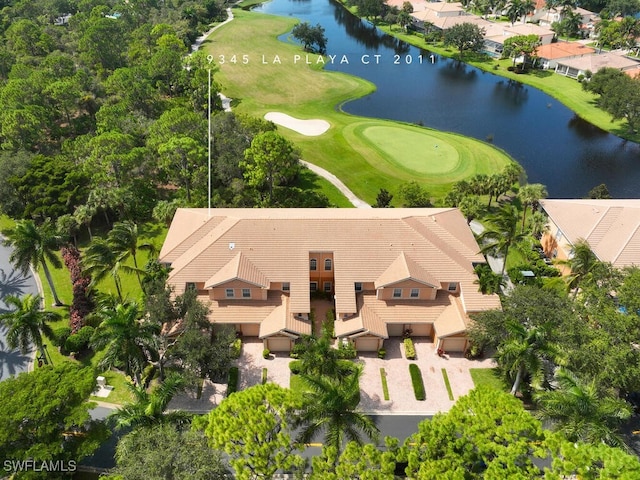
(416, 151)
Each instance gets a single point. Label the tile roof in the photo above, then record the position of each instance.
(402, 269)
(611, 227)
(553, 51)
(595, 62)
(238, 268)
(364, 242)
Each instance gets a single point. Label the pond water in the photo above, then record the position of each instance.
(555, 147)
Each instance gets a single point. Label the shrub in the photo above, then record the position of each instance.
(264, 376)
(385, 387)
(409, 349)
(265, 353)
(347, 350)
(236, 348)
(416, 381)
(328, 326)
(295, 367)
(382, 353)
(78, 342)
(234, 377)
(81, 304)
(60, 336)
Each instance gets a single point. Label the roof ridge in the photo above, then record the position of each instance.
(626, 244)
(609, 216)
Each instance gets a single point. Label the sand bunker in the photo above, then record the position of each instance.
(310, 128)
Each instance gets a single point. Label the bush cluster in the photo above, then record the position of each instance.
(60, 336)
(409, 349)
(236, 348)
(295, 366)
(81, 304)
(77, 342)
(416, 381)
(347, 350)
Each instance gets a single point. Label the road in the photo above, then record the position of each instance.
(12, 282)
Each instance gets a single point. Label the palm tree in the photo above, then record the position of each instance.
(34, 246)
(330, 407)
(518, 9)
(581, 413)
(101, 261)
(582, 261)
(123, 239)
(130, 342)
(529, 195)
(149, 408)
(318, 357)
(502, 233)
(525, 352)
(26, 323)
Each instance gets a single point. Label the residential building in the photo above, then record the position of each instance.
(387, 271)
(575, 67)
(611, 228)
(548, 56)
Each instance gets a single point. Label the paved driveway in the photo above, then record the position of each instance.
(401, 397)
(12, 282)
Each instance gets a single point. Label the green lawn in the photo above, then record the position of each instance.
(354, 148)
(489, 377)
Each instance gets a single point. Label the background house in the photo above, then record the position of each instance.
(611, 227)
(386, 271)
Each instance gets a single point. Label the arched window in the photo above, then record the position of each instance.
(313, 264)
(327, 264)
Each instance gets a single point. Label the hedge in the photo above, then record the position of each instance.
(416, 380)
(236, 348)
(234, 377)
(295, 366)
(409, 349)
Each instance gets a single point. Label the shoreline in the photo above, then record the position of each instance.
(589, 113)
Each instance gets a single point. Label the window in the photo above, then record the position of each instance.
(313, 264)
(327, 264)
(397, 292)
(191, 286)
(313, 286)
(286, 286)
(452, 287)
(230, 293)
(246, 293)
(358, 286)
(415, 293)
(327, 286)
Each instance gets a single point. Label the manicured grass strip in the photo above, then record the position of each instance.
(264, 376)
(487, 376)
(385, 387)
(447, 384)
(416, 381)
(234, 378)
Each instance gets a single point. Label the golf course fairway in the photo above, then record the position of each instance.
(261, 75)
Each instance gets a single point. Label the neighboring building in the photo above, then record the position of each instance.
(497, 33)
(548, 56)
(388, 271)
(611, 227)
(574, 67)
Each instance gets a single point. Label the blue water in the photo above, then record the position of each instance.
(556, 148)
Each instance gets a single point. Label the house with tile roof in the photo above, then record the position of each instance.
(548, 56)
(574, 67)
(387, 271)
(611, 227)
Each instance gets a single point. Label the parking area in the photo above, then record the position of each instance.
(401, 397)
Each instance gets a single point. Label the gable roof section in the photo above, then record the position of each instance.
(239, 268)
(554, 51)
(404, 268)
(611, 227)
(364, 242)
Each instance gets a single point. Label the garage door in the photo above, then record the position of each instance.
(250, 329)
(279, 344)
(454, 344)
(367, 344)
(394, 329)
(421, 329)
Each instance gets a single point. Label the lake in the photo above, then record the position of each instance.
(555, 147)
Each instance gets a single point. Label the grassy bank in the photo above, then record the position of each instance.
(263, 75)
